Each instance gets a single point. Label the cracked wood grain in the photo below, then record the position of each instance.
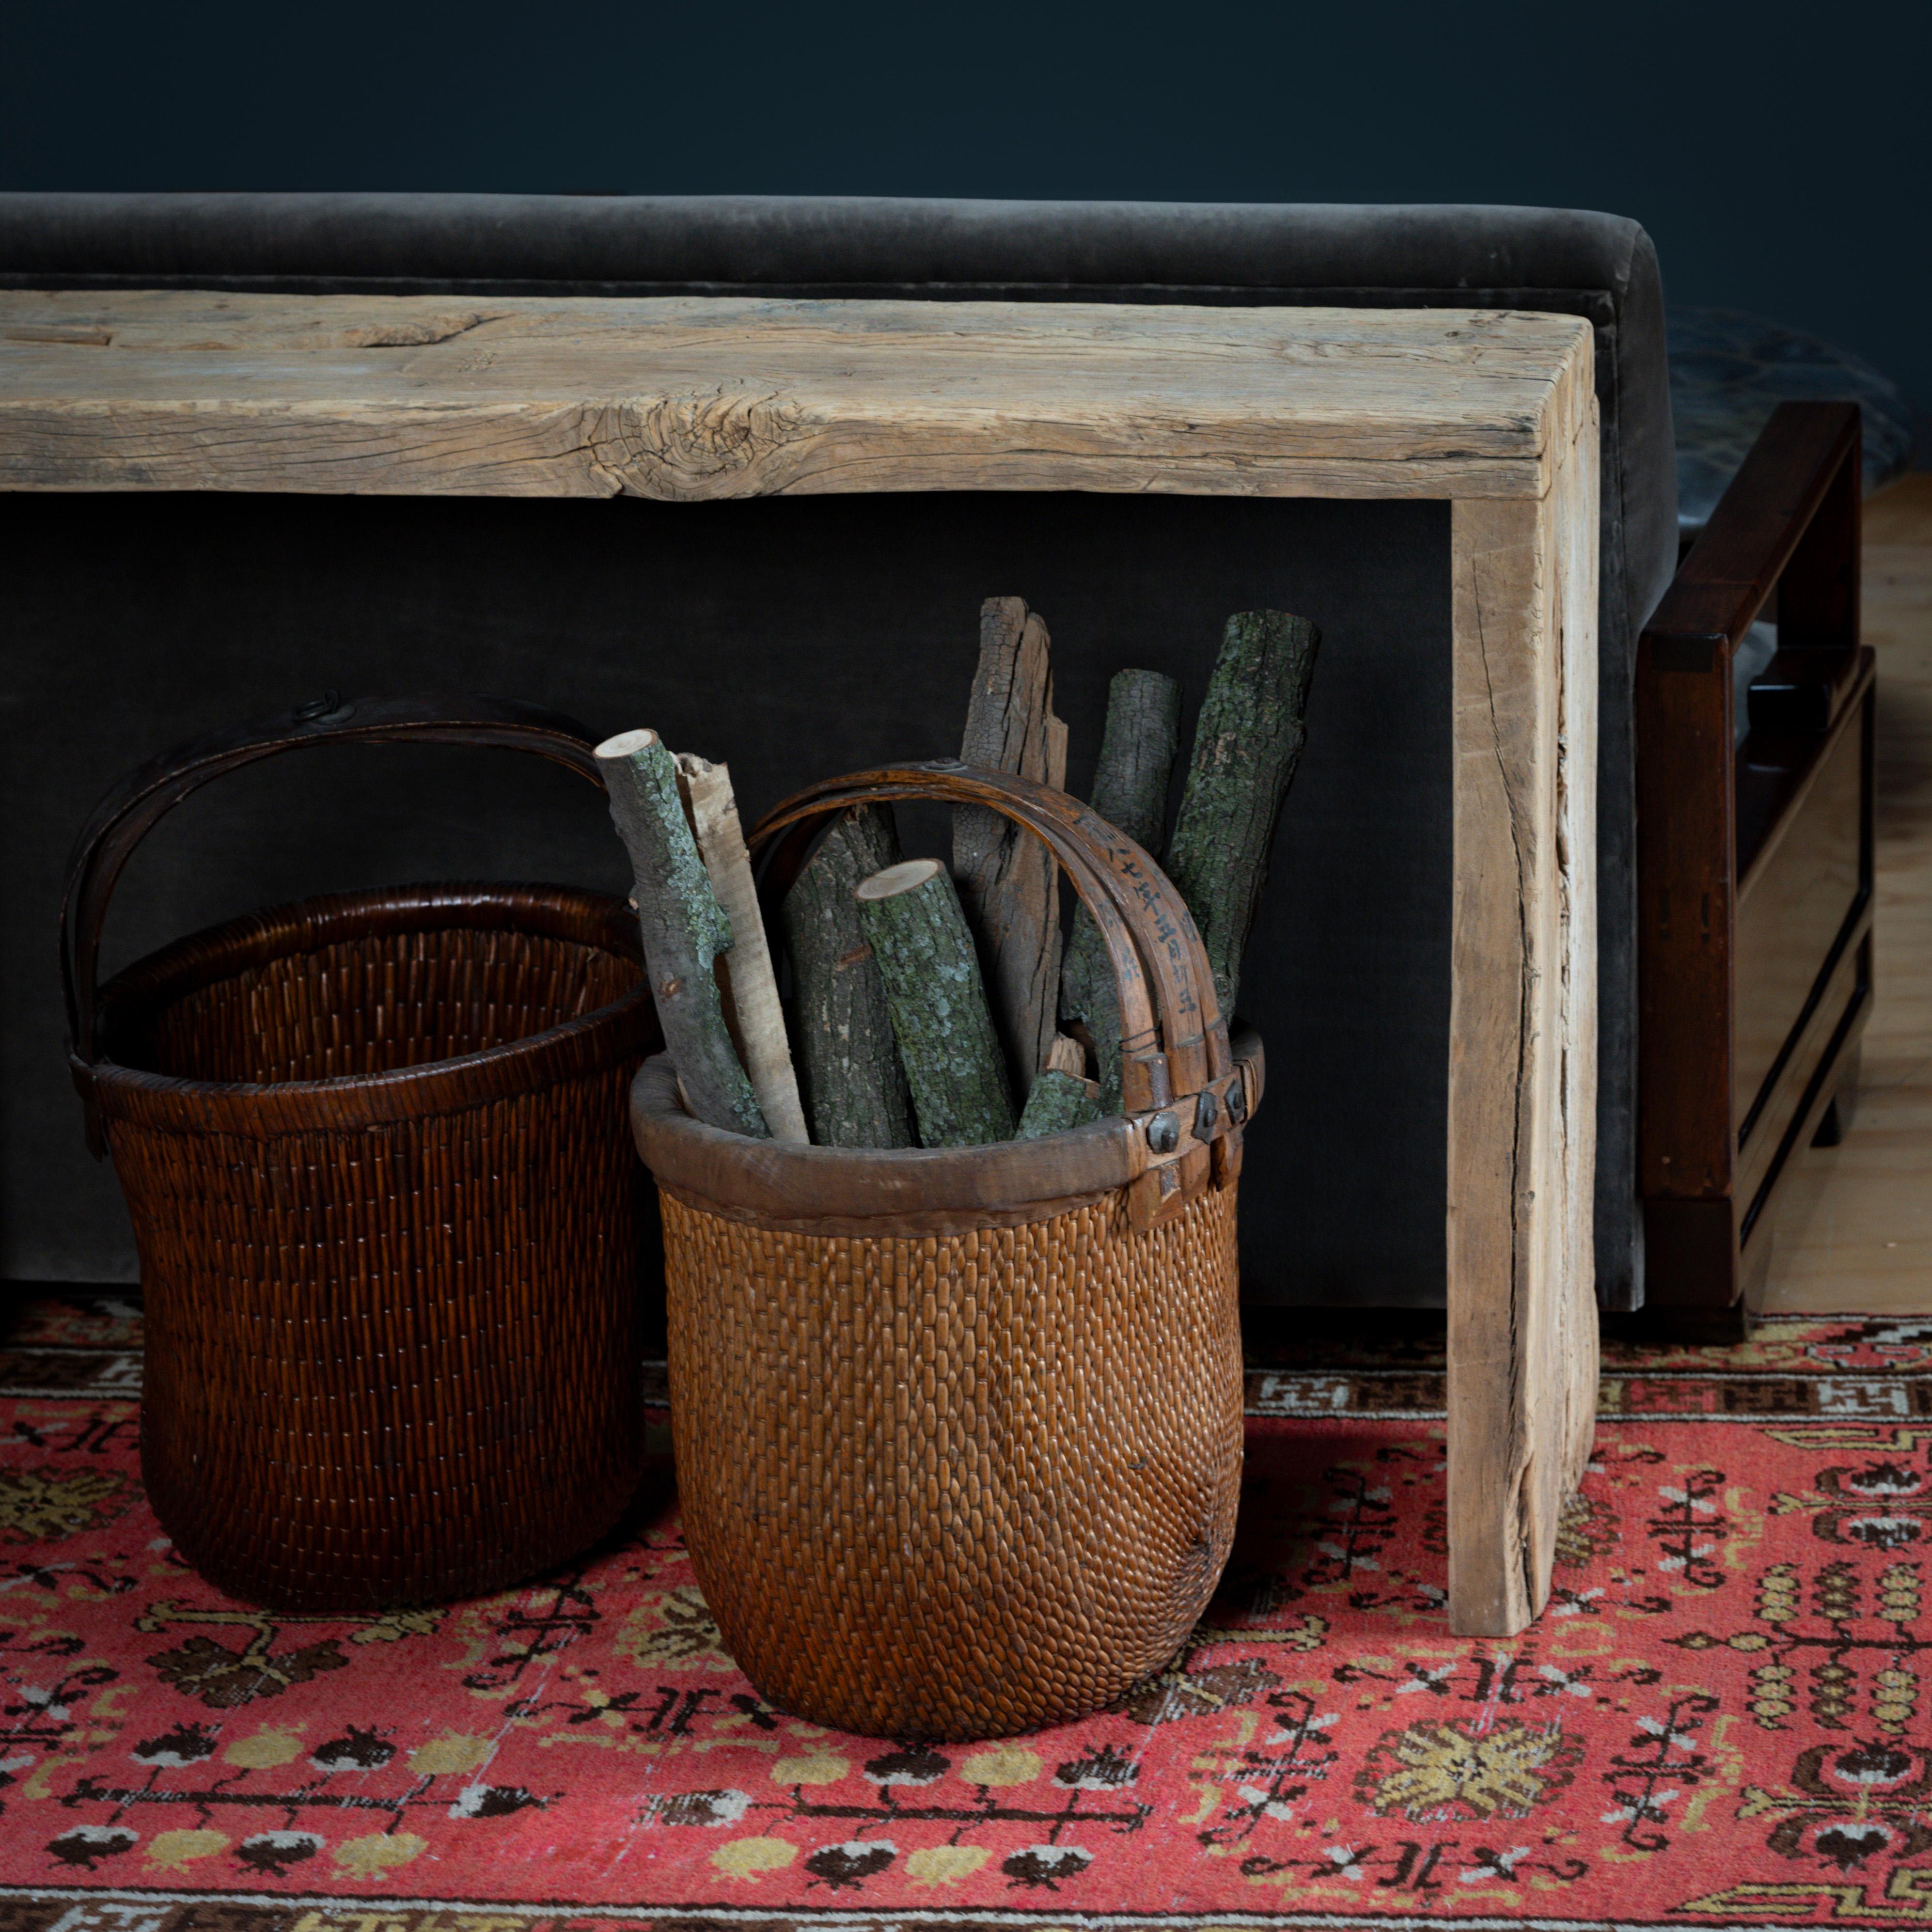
(1008, 880)
(1522, 1348)
(694, 399)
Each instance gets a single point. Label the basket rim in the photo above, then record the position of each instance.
(790, 1183)
(583, 1044)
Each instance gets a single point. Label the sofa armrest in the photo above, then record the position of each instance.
(1788, 525)
(1784, 539)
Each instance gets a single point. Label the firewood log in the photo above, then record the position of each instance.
(854, 1089)
(684, 928)
(1007, 879)
(1247, 743)
(749, 986)
(940, 1019)
(1138, 746)
(1060, 1099)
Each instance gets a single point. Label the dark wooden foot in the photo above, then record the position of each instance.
(1679, 1327)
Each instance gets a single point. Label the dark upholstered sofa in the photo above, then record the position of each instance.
(797, 639)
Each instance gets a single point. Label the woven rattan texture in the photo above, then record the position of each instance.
(956, 1486)
(395, 1363)
(365, 1006)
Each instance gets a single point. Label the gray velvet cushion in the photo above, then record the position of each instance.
(1597, 266)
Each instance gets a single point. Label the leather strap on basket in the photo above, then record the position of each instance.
(1179, 1087)
(135, 806)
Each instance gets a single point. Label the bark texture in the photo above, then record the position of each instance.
(854, 1089)
(749, 987)
(1246, 745)
(1138, 748)
(684, 929)
(940, 1019)
(1058, 1101)
(1007, 878)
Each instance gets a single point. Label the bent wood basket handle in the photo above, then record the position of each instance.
(1179, 1083)
(135, 806)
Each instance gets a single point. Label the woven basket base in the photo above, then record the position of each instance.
(956, 1486)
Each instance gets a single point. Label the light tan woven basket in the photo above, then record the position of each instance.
(958, 1429)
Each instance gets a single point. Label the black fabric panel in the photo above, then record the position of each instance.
(1600, 267)
(796, 639)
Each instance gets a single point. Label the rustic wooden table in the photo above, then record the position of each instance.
(695, 399)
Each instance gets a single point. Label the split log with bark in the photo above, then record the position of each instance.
(941, 1021)
(1007, 879)
(1247, 743)
(854, 1089)
(1138, 748)
(684, 929)
(747, 983)
(1062, 1096)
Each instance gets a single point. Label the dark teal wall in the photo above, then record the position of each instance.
(1778, 153)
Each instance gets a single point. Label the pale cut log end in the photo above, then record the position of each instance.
(626, 744)
(907, 877)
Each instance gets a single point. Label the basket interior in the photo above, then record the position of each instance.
(370, 1004)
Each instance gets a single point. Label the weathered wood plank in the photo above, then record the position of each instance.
(1008, 880)
(691, 398)
(1522, 1347)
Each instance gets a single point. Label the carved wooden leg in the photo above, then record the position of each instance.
(1522, 1322)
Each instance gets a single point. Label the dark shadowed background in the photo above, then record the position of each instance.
(1777, 152)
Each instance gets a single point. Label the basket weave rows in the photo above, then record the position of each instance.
(372, 1150)
(381, 1356)
(375, 1003)
(884, 1420)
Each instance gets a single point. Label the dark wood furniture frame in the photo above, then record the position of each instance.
(1754, 867)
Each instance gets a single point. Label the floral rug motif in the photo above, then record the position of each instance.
(1724, 1719)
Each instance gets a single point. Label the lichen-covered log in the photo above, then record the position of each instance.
(1007, 878)
(853, 1088)
(1247, 743)
(1138, 748)
(940, 1019)
(1058, 1101)
(684, 930)
(746, 982)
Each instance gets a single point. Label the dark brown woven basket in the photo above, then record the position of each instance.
(958, 1429)
(373, 1147)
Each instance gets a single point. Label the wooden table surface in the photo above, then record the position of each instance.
(697, 398)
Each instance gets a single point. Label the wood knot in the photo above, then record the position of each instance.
(728, 441)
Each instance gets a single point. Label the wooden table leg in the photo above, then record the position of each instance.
(1522, 1319)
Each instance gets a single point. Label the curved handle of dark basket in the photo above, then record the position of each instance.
(137, 805)
(1174, 1039)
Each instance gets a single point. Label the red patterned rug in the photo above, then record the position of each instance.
(1724, 1720)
